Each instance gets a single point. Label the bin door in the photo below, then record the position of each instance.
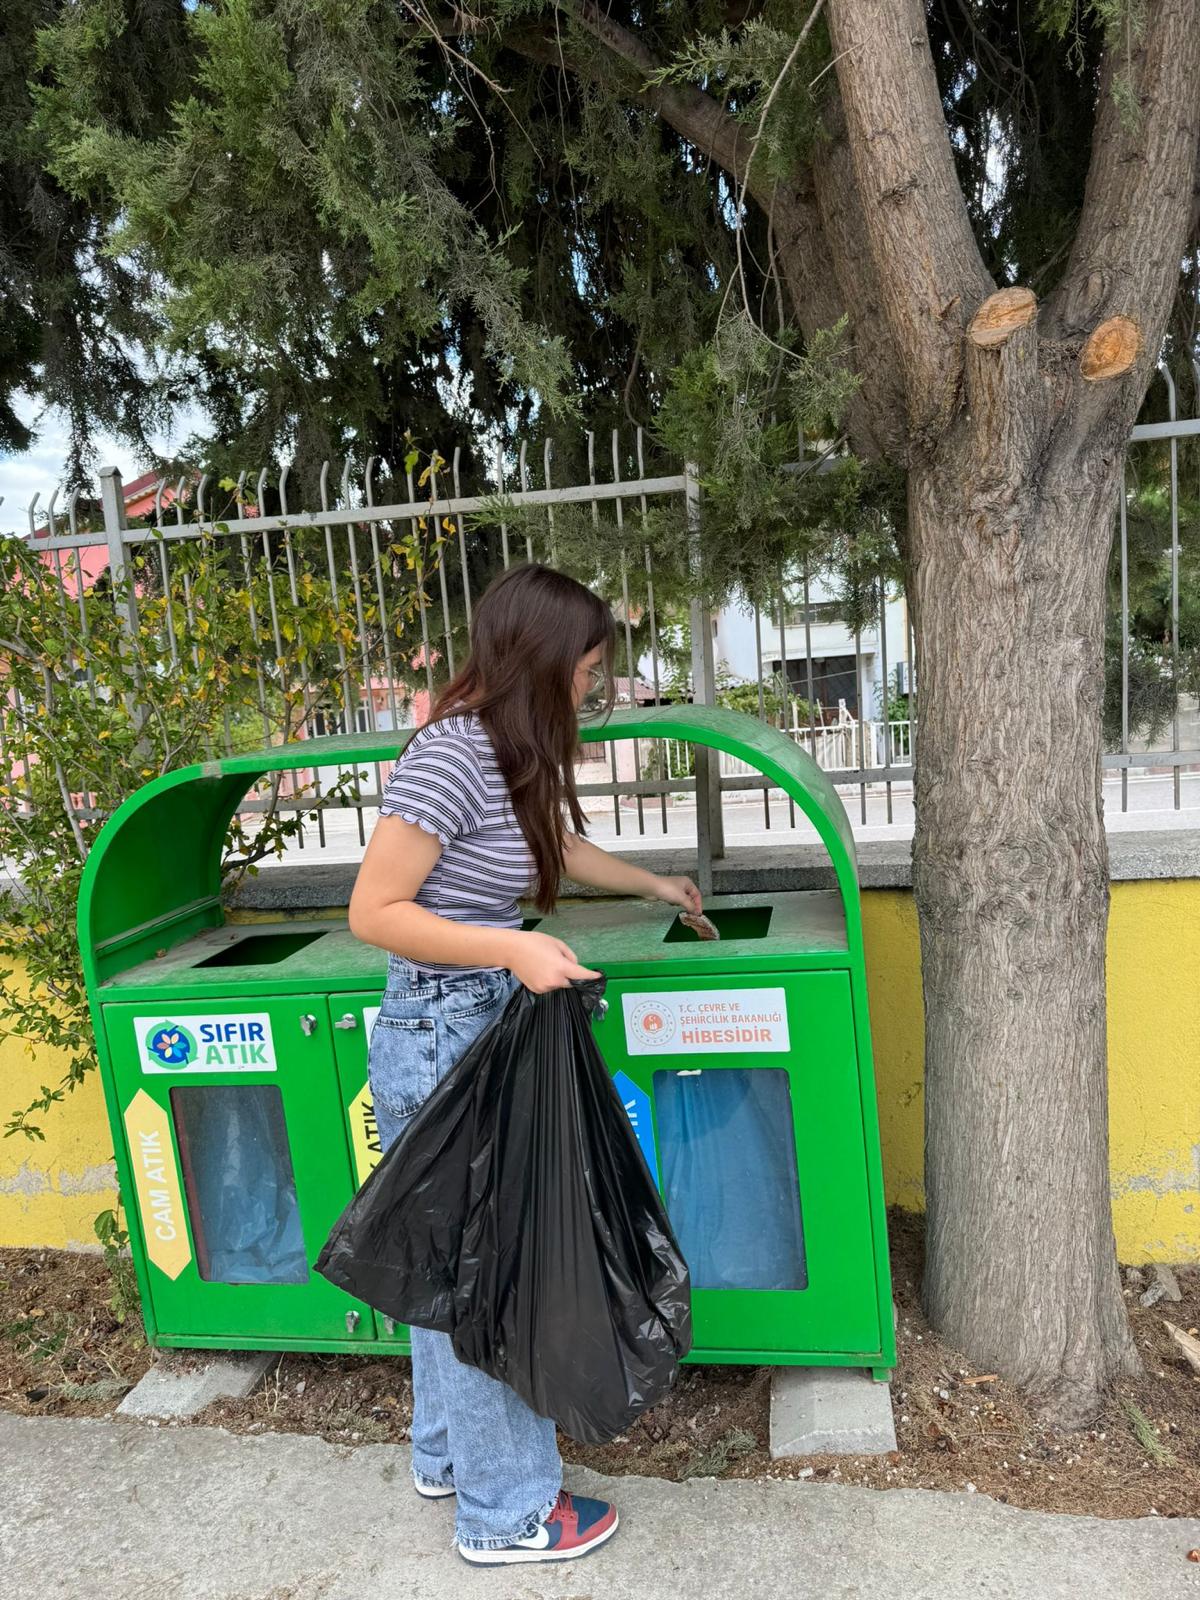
(235, 1134)
(744, 1092)
(353, 1018)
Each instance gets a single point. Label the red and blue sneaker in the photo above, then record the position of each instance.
(575, 1527)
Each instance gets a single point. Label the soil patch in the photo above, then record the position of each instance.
(63, 1351)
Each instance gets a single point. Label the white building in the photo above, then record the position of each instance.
(844, 681)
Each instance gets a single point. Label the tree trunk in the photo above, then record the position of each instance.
(1011, 877)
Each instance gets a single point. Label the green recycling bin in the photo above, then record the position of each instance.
(234, 1062)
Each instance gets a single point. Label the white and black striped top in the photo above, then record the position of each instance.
(449, 783)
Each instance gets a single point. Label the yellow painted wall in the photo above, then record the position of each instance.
(1153, 1053)
(50, 1192)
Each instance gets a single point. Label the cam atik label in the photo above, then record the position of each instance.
(224, 1042)
(156, 1180)
(360, 1110)
(706, 1022)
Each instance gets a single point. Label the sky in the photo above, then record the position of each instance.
(40, 469)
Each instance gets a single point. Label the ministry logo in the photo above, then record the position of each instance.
(652, 1024)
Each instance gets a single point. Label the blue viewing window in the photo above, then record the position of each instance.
(241, 1189)
(727, 1150)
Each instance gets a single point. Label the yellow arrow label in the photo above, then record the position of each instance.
(159, 1191)
(364, 1133)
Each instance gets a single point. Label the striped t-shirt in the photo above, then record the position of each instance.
(449, 783)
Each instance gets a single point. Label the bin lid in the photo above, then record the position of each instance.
(154, 871)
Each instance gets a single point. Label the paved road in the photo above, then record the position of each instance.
(113, 1510)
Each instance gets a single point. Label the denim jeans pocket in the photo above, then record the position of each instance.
(402, 1063)
(467, 998)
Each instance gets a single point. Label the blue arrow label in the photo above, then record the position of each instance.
(637, 1108)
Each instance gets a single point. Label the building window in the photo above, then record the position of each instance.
(797, 616)
(834, 678)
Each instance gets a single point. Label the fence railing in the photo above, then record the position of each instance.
(841, 746)
(407, 554)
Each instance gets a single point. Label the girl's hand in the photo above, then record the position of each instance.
(681, 892)
(542, 962)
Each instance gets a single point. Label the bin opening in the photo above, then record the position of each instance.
(731, 922)
(528, 924)
(260, 949)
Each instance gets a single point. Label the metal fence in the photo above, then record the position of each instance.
(386, 673)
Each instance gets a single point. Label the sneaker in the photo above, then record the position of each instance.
(433, 1491)
(575, 1527)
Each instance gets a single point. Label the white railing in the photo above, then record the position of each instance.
(847, 745)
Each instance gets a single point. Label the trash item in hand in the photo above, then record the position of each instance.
(700, 925)
(517, 1214)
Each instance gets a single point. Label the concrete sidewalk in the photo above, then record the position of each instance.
(113, 1510)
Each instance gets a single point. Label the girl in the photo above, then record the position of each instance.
(475, 816)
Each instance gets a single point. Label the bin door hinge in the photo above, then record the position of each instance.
(353, 1318)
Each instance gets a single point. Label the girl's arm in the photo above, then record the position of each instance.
(587, 863)
(398, 859)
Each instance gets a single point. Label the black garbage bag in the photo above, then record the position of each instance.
(516, 1213)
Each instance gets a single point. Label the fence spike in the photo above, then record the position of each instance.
(179, 488)
(324, 486)
(283, 478)
(50, 513)
(200, 488)
(261, 490)
(72, 520)
(368, 480)
(346, 483)
(1170, 382)
(241, 484)
(158, 494)
(37, 495)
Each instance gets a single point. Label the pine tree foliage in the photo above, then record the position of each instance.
(334, 225)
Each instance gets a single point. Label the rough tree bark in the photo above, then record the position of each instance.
(1017, 425)
(1012, 421)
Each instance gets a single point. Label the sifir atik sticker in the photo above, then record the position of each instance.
(239, 1042)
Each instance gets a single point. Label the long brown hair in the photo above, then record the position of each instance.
(528, 633)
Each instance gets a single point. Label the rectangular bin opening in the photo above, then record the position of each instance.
(260, 949)
(727, 1148)
(239, 1182)
(528, 924)
(731, 922)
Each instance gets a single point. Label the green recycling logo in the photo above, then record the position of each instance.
(169, 1044)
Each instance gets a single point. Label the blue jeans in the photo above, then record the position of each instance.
(468, 1430)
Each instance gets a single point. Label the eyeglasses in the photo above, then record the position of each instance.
(597, 677)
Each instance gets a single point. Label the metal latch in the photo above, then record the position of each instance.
(353, 1318)
(347, 1020)
(601, 1008)
(308, 1023)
